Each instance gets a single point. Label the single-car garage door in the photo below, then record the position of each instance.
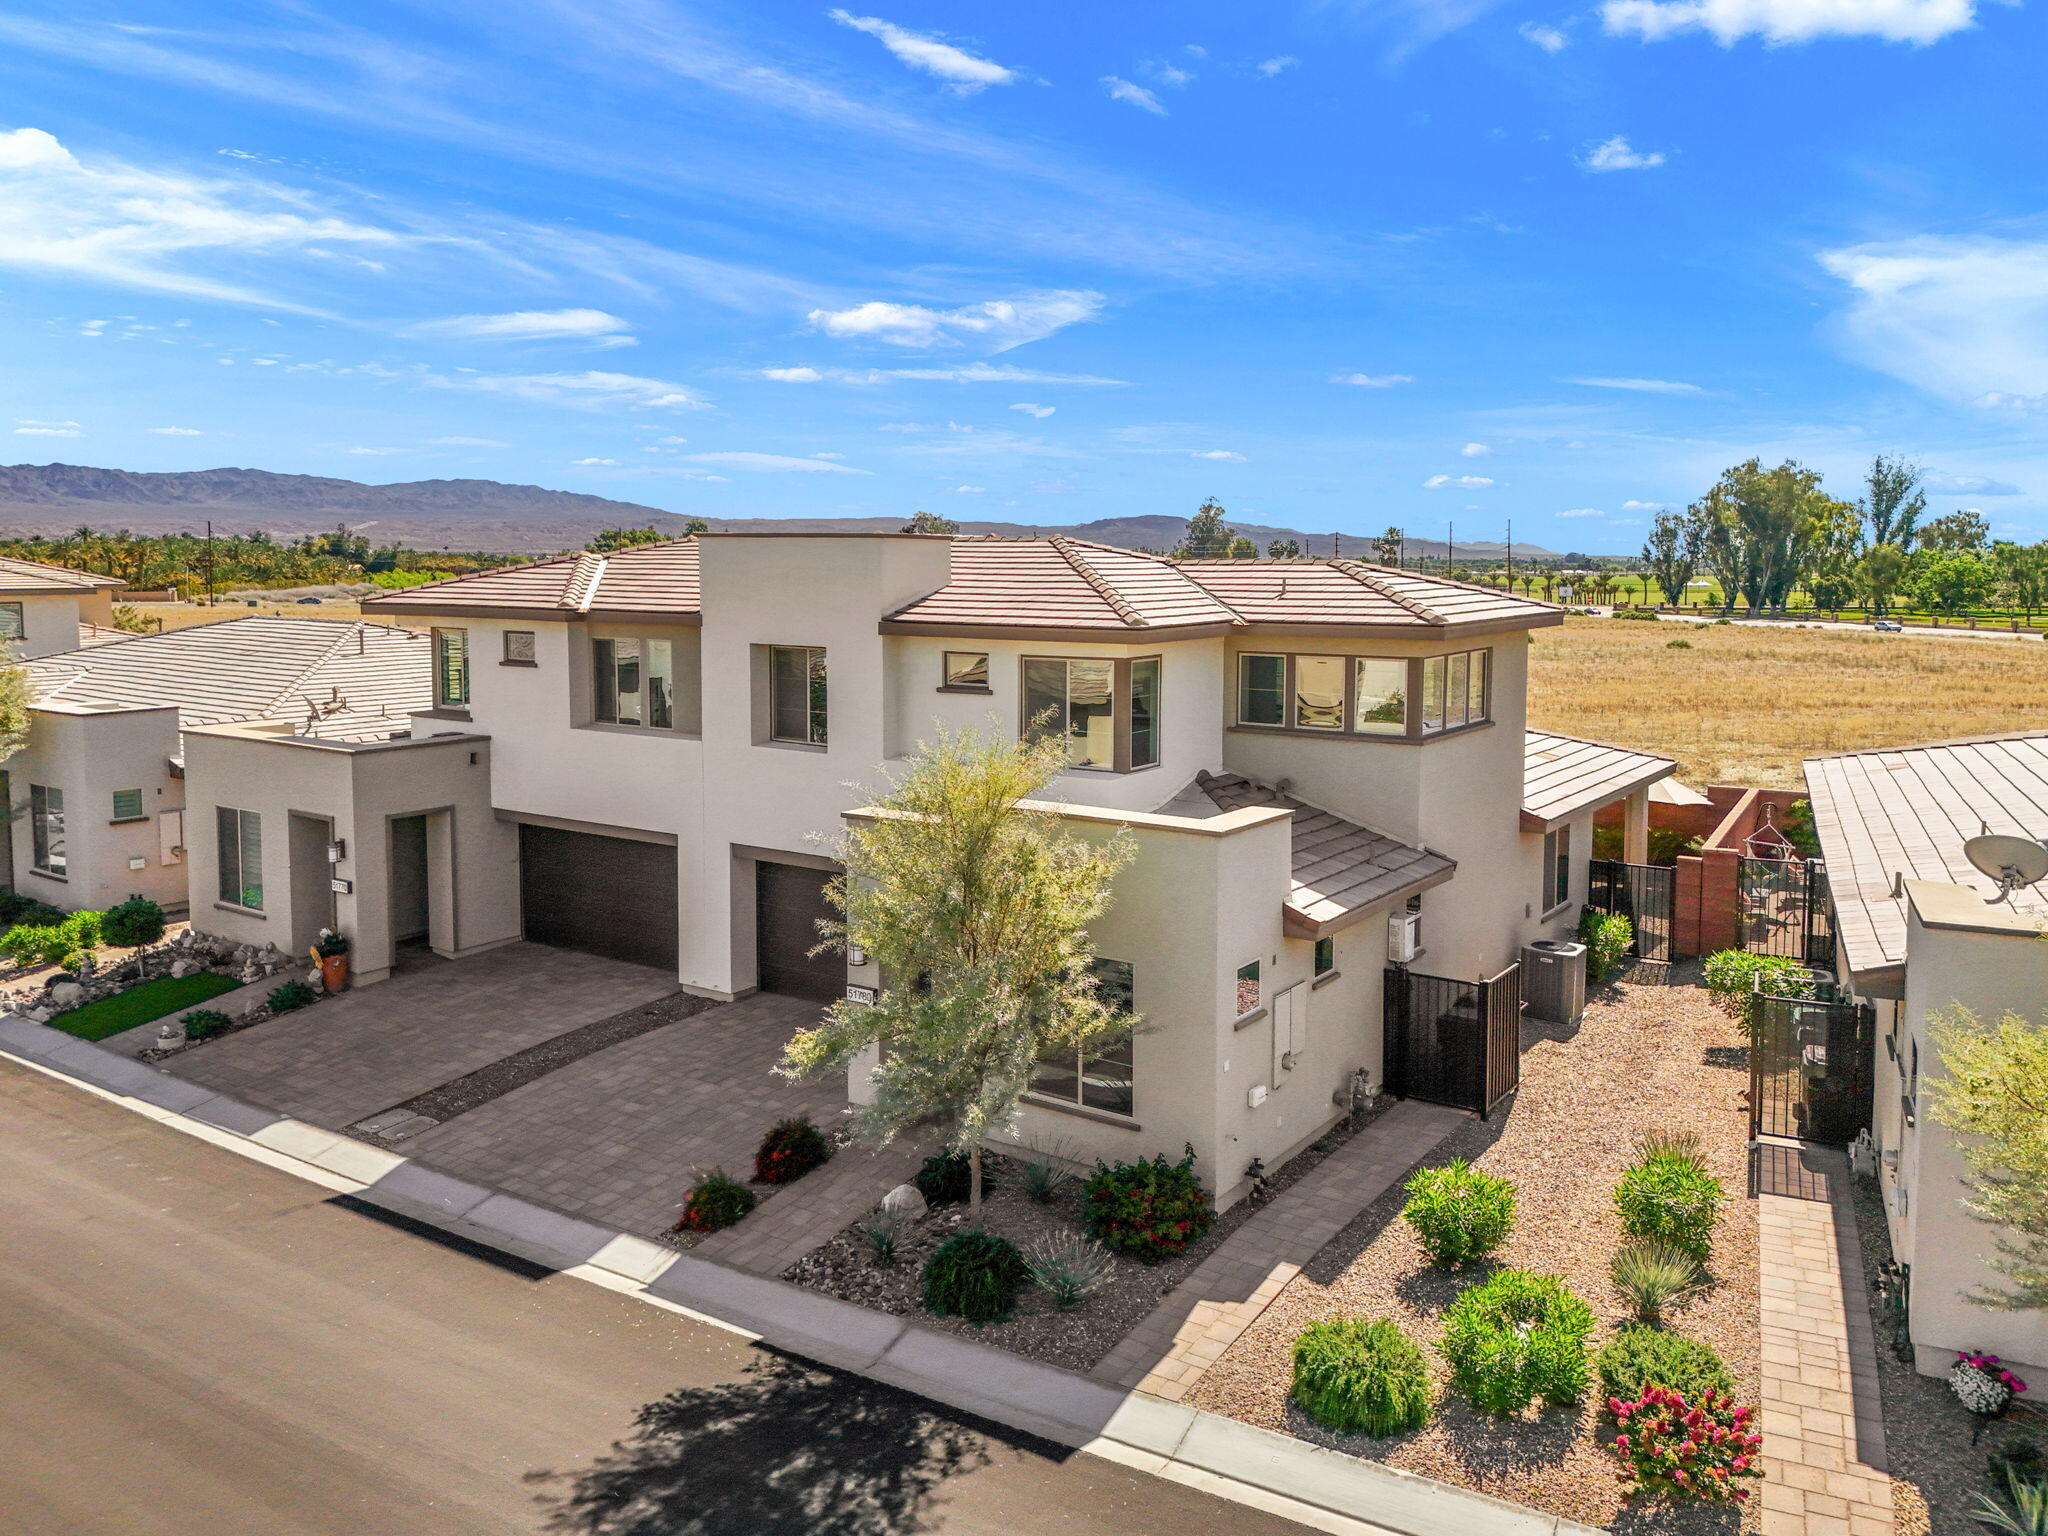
(788, 901)
(609, 896)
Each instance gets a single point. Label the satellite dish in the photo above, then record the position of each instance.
(2011, 861)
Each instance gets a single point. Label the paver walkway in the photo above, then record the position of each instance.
(814, 1210)
(367, 1050)
(1170, 1350)
(1821, 1419)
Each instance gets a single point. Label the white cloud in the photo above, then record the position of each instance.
(1616, 155)
(774, 463)
(1372, 380)
(1549, 39)
(970, 490)
(48, 432)
(374, 452)
(1790, 21)
(968, 373)
(176, 431)
(1474, 451)
(963, 72)
(31, 421)
(1642, 506)
(1170, 74)
(1271, 67)
(612, 462)
(1038, 411)
(1219, 455)
(1641, 386)
(671, 442)
(1970, 485)
(792, 375)
(1456, 482)
(467, 442)
(591, 325)
(1583, 512)
(586, 391)
(1136, 95)
(1000, 324)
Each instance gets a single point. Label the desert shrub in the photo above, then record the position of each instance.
(789, 1151)
(716, 1202)
(1639, 1358)
(50, 943)
(1670, 1201)
(290, 996)
(1459, 1213)
(1045, 1175)
(878, 1235)
(1607, 937)
(16, 908)
(204, 1023)
(1680, 1448)
(75, 962)
(1150, 1210)
(1650, 1276)
(1731, 977)
(1677, 645)
(1637, 613)
(132, 923)
(944, 1179)
(1679, 1146)
(975, 1275)
(1361, 1377)
(1068, 1269)
(1516, 1338)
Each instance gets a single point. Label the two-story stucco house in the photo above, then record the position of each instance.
(47, 608)
(648, 754)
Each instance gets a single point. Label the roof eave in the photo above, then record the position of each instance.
(1454, 629)
(1118, 634)
(1536, 821)
(1299, 925)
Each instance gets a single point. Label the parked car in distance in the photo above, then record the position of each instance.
(1889, 627)
(314, 600)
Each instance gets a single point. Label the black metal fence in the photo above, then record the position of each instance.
(1810, 1065)
(1645, 894)
(1454, 1042)
(1786, 910)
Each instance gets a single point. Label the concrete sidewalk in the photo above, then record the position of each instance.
(1323, 1489)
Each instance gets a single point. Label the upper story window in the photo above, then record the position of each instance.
(451, 669)
(1362, 695)
(1454, 691)
(1326, 955)
(1557, 869)
(11, 626)
(796, 694)
(633, 682)
(127, 805)
(965, 672)
(1107, 711)
(241, 857)
(519, 648)
(1250, 991)
(46, 828)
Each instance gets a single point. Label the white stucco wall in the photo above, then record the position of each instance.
(89, 753)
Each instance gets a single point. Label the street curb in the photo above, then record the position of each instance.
(1324, 1489)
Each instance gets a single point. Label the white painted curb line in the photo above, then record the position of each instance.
(1325, 1490)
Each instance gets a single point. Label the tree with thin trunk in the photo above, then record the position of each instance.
(1673, 554)
(1207, 537)
(1388, 545)
(1879, 575)
(1893, 501)
(975, 899)
(1995, 1094)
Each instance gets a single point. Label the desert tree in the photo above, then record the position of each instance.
(1283, 549)
(2022, 575)
(1994, 1092)
(1388, 545)
(1964, 531)
(1207, 538)
(1954, 582)
(975, 900)
(1672, 553)
(1893, 501)
(930, 522)
(1878, 576)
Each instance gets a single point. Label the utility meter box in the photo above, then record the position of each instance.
(1554, 981)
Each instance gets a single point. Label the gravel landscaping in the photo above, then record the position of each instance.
(1644, 1058)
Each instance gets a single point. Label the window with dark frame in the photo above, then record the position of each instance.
(1364, 695)
(796, 688)
(127, 805)
(1455, 691)
(1106, 710)
(519, 647)
(1248, 989)
(1102, 1078)
(240, 835)
(46, 829)
(965, 671)
(1557, 868)
(11, 625)
(633, 682)
(1261, 690)
(1326, 955)
(451, 669)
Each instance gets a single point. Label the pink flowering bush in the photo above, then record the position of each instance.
(1682, 1450)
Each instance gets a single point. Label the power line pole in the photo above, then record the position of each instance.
(206, 562)
(1511, 554)
(1450, 543)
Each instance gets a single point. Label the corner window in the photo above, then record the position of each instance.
(1107, 711)
(1557, 869)
(966, 671)
(1261, 690)
(1379, 697)
(796, 686)
(127, 805)
(1319, 693)
(1248, 989)
(1326, 955)
(46, 828)
(11, 627)
(241, 857)
(1454, 691)
(451, 669)
(1101, 1078)
(633, 682)
(519, 649)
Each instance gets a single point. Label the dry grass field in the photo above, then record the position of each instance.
(1745, 705)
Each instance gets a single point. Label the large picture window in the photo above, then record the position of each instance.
(451, 669)
(1106, 711)
(1100, 1078)
(634, 682)
(241, 858)
(46, 828)
(796, 686)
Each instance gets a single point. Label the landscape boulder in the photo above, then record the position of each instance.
(905, 1202)
(66, 995)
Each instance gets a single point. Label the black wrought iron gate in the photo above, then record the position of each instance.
(1645, 894)
(1454, 1042)
(1786, 911)
(1810, 1066)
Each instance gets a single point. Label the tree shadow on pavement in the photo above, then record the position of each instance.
(793, 1448)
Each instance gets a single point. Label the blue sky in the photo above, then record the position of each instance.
(1340, 263)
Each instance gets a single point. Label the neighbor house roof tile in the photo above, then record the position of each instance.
(26, 577)
(654, 579)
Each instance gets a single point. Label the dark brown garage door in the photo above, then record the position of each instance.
(788, 901)
(607, 896)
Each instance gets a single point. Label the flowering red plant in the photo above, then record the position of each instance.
(1697, 1450)
(1990, 1366)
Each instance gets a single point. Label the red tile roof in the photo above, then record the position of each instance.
(653, 579)
(28, 577)
(1060, 583)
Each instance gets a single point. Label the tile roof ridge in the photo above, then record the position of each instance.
(495, 570)
(1368, 576)
(2038, 734)
(1594, 741)
(581, 592)
(305, 673)
(1070, 551)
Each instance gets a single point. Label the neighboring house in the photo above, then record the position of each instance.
(98, 790)
(46, 608)
(1917, 934)
(646, 755)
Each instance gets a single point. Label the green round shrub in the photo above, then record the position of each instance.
(1638, 1358)
(1516, 1338)
(1607, 937)
(1672, 1201)
(1459, 1213)
(789, 1151)
(132, 923)
(290, 996)
(945, 1179)
(716, 1202)
(204, 1023)
(975, 1275)
(1150, 1210)
(1362, 1377)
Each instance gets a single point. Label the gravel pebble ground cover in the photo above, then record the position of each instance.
(1936, 1473)
(1645, 1057)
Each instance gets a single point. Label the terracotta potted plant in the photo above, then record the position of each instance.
(330, 953)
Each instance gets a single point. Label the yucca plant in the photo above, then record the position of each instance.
(1668, 1146)
(878, 1232)
(1650, 1276)
(1068, 1269)
(2029, 1513)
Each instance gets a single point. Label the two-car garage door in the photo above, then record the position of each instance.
(610, 896)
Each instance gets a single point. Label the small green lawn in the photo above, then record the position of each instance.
(141, 1004)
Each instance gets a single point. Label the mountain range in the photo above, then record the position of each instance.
(46, 499)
